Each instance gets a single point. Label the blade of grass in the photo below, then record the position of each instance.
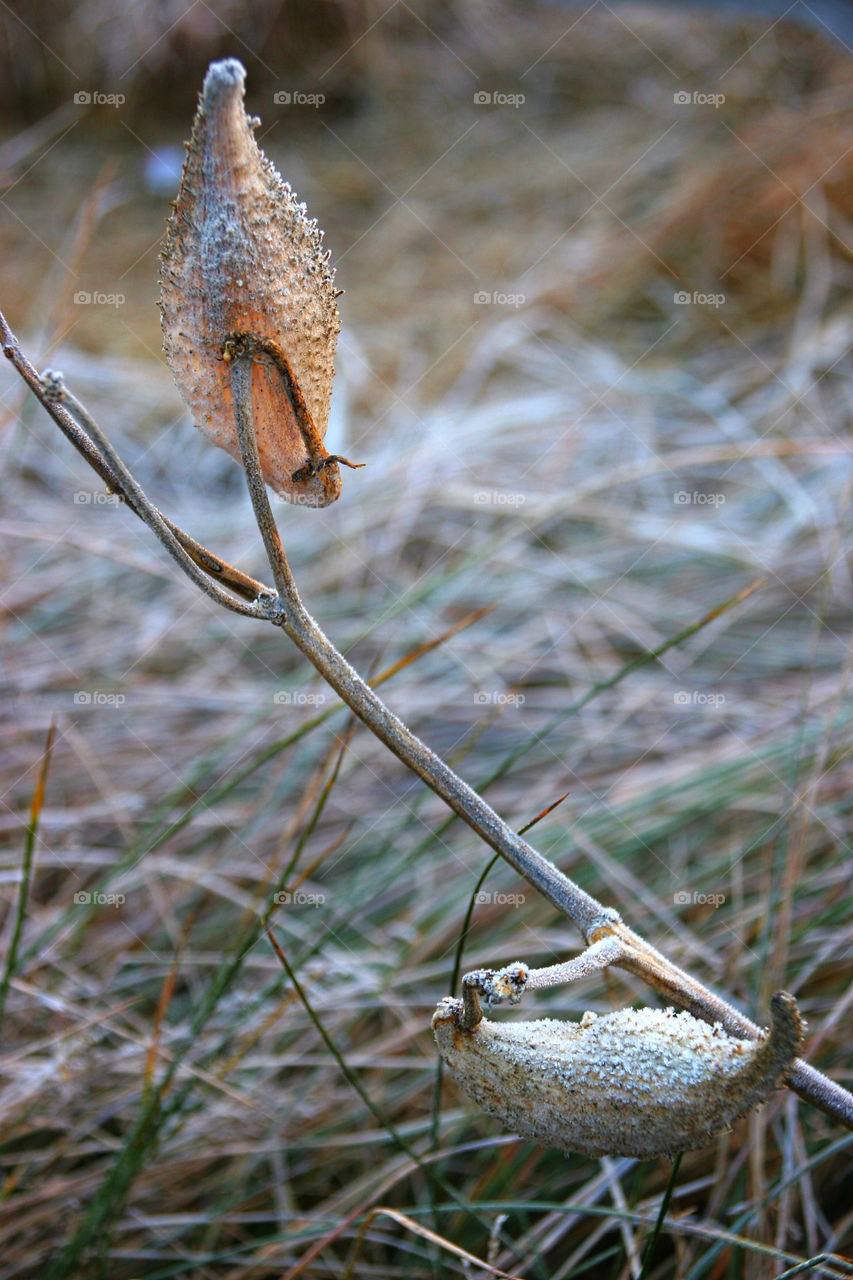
(151, 841)
(26, 869)
(432, 1236)
(659, 1221)
(375, 1110)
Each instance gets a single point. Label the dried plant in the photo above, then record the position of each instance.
(241, 258)
(253, 359)
(638, 1082)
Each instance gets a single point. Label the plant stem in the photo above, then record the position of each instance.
(593, 919)
(55, 390)
(284, 609)
(215, 567)
(659, 1221)
(292, 616)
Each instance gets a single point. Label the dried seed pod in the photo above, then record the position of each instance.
(242, 260)
(639, 1082)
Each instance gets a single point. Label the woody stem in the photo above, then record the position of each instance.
(285, 609)
(295, 620)
(76, 431)
(594, 920)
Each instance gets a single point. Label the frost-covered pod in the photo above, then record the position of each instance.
(639, 1082)
(242, 257)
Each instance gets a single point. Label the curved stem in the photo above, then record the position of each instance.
(241, 395)
(75, 432)
(595, 921)
(55, 390)
(284, 608)
(295, 620)
(590, 916)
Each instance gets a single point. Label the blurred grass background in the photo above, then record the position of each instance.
(596, 353)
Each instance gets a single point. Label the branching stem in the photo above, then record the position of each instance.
(283, 607)
(219, 570)
(595, 921)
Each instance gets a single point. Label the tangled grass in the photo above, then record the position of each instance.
(600, 467)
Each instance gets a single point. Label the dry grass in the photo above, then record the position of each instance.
(526, 458)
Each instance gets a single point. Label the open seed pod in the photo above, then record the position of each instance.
(639, 1082)
(241, 257)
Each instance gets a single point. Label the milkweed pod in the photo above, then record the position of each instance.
(241, 257)
(639, 1082)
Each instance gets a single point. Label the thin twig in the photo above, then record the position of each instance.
(285, 609)
(241, 394)
(219, 570)
(294, 619)
(56, 390)
(593, 919)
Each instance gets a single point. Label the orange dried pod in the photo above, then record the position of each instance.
(243, 265)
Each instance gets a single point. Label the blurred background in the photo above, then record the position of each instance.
(596, 354)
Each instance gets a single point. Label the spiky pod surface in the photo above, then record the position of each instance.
(638, 1082)
(241, 256)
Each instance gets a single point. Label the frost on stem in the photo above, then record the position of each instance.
(53, 385)
(242, 256)
(639, 1082)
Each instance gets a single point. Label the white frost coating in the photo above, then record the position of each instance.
(640, 1083)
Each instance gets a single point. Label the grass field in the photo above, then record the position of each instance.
(596, 355)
